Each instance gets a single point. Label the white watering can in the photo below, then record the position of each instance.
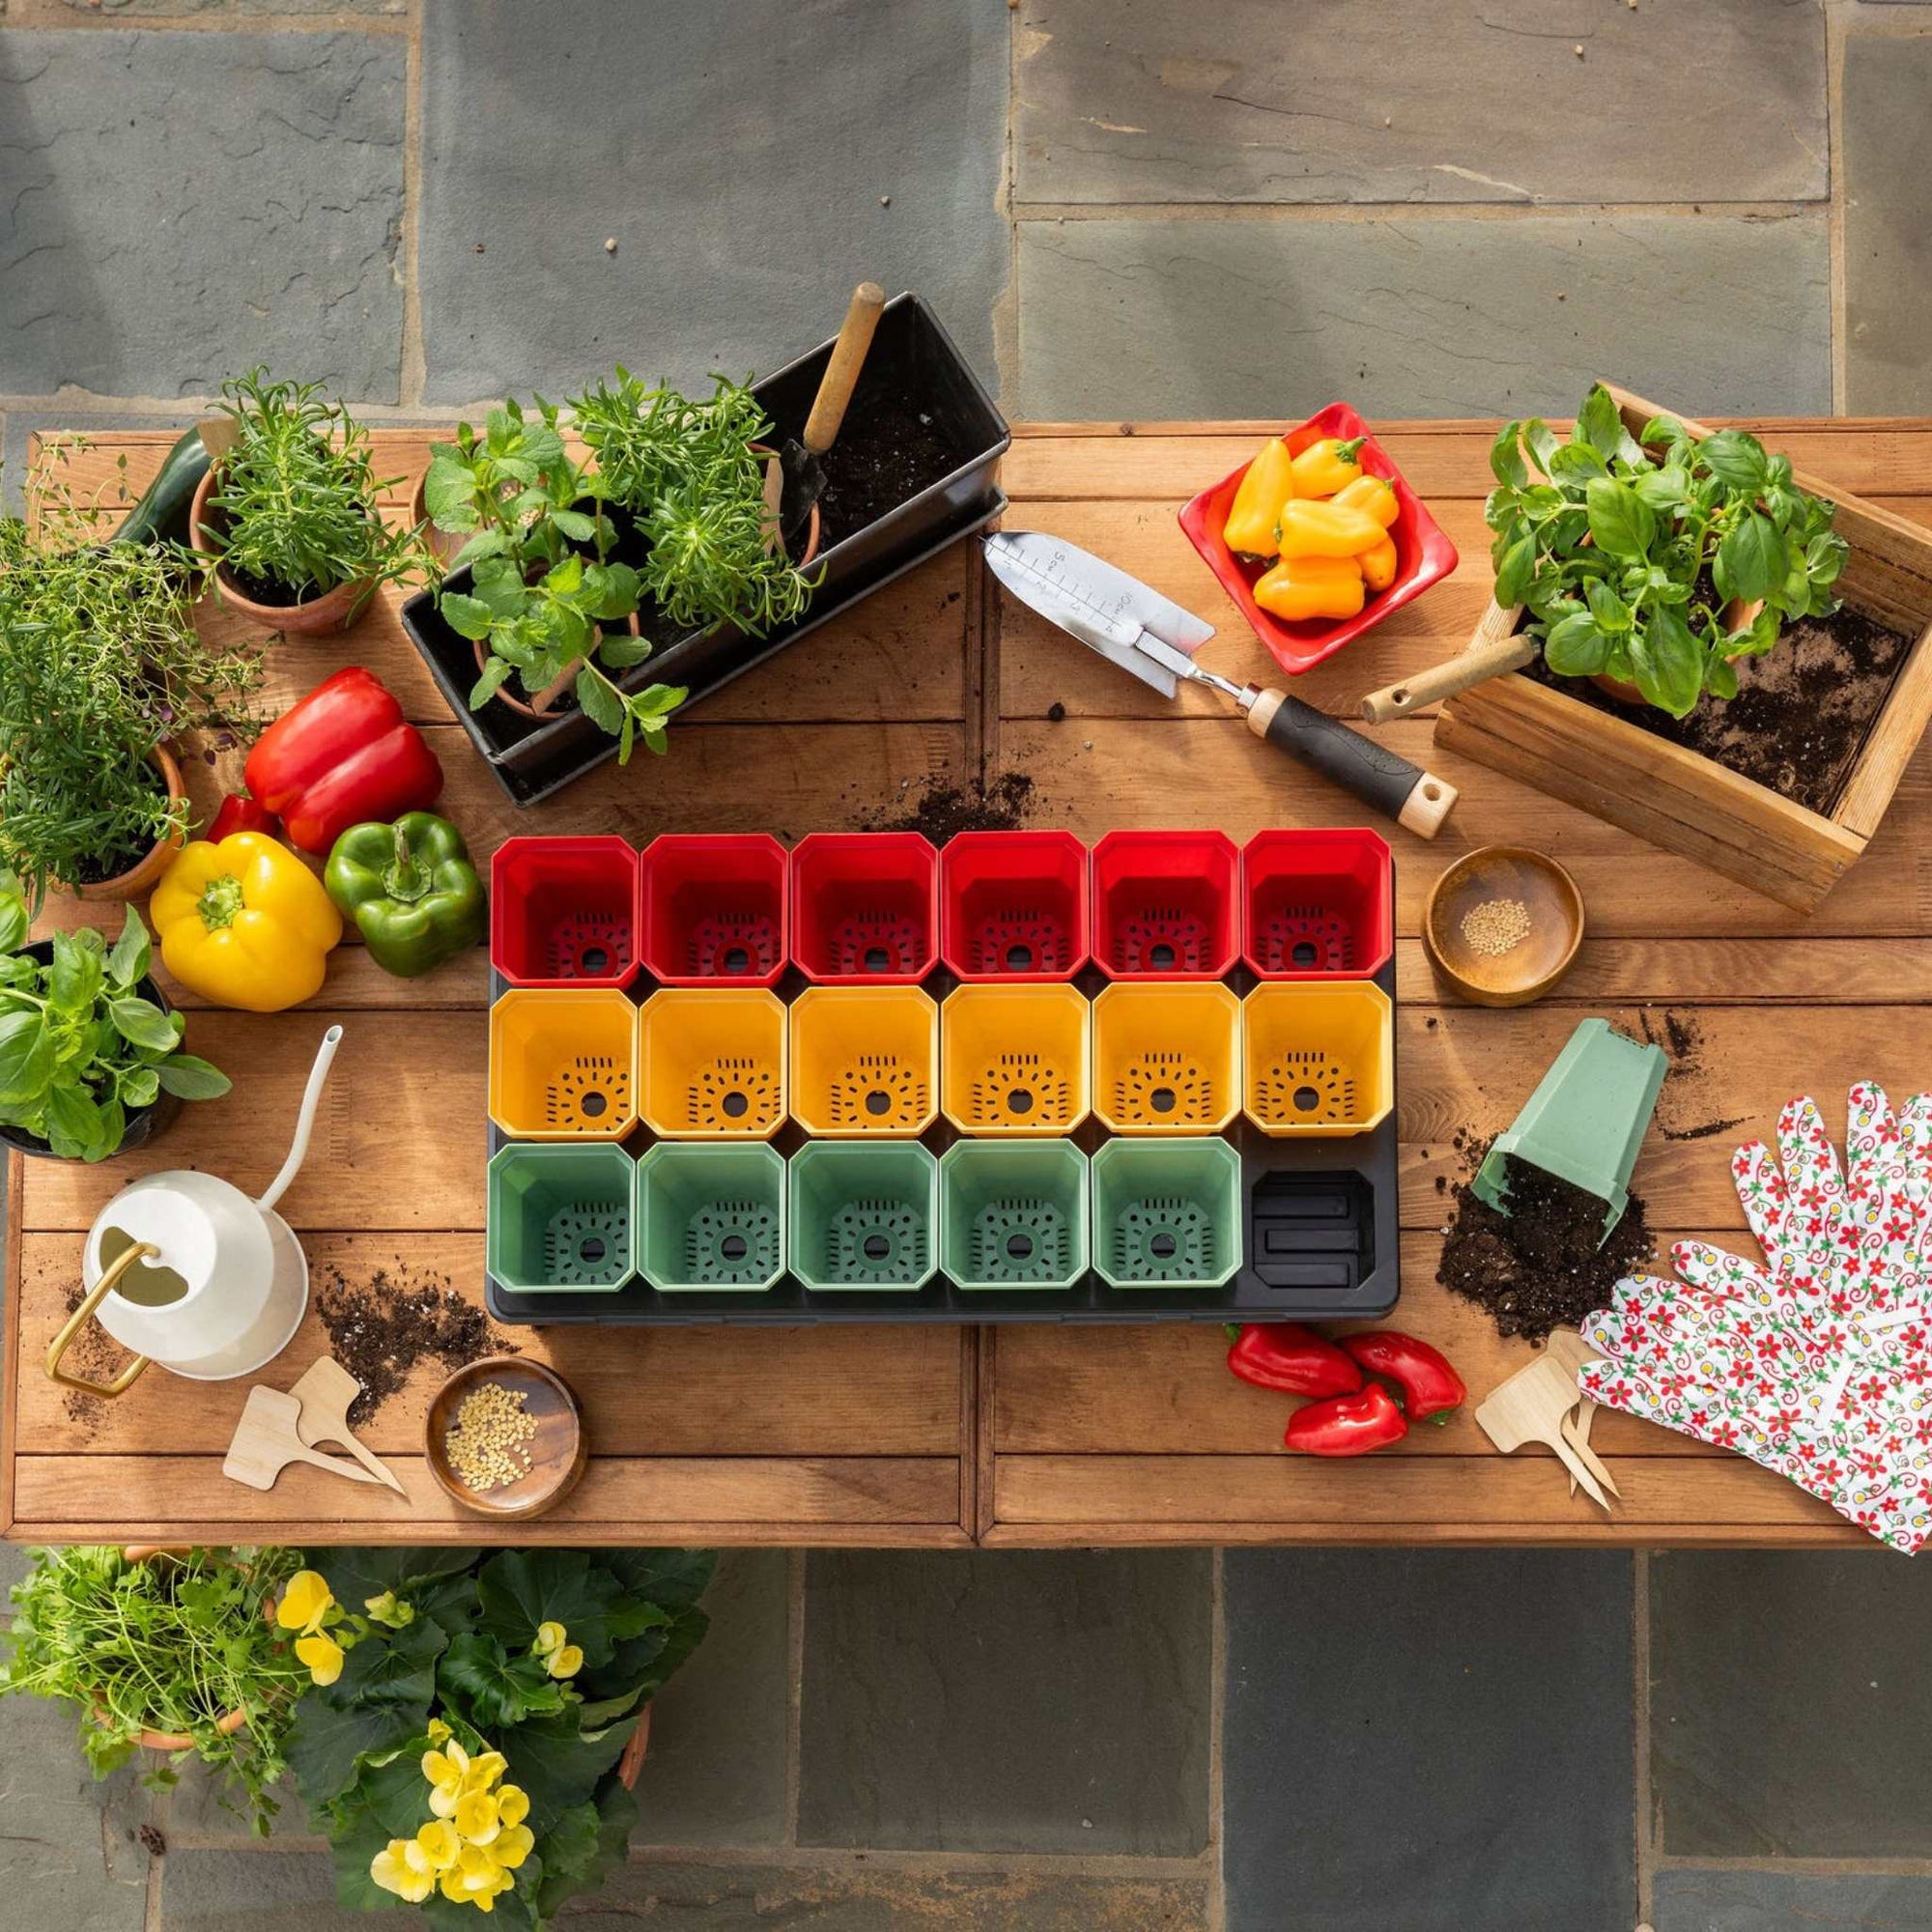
(183, 1270)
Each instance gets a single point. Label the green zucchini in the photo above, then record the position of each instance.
(161, 515)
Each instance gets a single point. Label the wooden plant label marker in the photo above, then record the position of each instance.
(267, 1440)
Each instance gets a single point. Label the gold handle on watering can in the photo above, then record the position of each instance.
(136, 1251)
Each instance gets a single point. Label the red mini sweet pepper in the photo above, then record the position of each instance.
(1428, 1384)
(1347, 1425)
(344, 754)
(239, 812)
(1286, 1356)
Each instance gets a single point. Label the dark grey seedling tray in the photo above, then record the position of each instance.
(1319, 1244)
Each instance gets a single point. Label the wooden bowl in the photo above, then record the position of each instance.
(1532, 967)
(557, 1452)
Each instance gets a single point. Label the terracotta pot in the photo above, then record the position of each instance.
(633, 1760)
(138, 880)
(539, 705)
(336, 610)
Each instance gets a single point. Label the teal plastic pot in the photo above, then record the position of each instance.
(865, 1214)
(710, 1217)
(1013, 1214)
(1166, 1214)
(559, 1218)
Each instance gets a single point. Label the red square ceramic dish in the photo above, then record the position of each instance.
(1423, 553)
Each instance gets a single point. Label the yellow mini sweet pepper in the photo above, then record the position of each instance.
(245, 923)
(1326, 530)
(1312, 586)
(1327, 467)
(1374, 494)
(1257, 506)
(1379, 564)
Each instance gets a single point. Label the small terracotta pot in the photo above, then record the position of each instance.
(336, 610)
(137, 881)
(633, 1760)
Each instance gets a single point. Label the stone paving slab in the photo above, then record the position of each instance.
(1007, 1701)
(1790, 1704)
(227, 1892)
(1773, 1901)
(715, 1773)
(1458, 100)
(153, 250)
(1888, 104)
(741, 158)
(1419, 1739)
(1421, 316)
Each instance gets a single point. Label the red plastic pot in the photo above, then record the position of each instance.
(1424, 554)
(563, 911)
(711, 906)
(1317, 904)
(864, 906)
(1012, 905)
(1166, 905)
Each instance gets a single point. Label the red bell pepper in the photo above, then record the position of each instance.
(1347, 1425)
(1428, 1384)
(240, 812)
(343, 755)
(1286, 1356)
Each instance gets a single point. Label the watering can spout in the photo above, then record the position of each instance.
(318, 1078)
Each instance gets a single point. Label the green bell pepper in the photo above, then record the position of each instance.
(411, 890)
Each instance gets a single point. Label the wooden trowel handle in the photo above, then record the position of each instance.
(841, 373)
(1445, 680)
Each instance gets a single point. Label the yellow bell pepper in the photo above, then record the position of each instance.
(1374, 494)
(1326, 530)
(1379, 564)
(245, 923)
(1312, 586)
(1257, 506)
(1327, 467)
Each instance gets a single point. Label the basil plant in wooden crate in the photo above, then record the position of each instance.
(474, 1724)
(1716, 651)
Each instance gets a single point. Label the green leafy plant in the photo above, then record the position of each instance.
(176, 1645)
(297, 497)
(99, 637)
(1631, 551)
(544, 595)
(80, 1043)
(460, 1743)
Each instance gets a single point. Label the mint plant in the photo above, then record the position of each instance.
(1629, 552)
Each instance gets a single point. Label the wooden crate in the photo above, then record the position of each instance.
(1681, 800)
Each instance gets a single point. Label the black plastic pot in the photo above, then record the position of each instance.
(534, 757)
(143, 1123)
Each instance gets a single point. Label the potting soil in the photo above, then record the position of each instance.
(887, 452)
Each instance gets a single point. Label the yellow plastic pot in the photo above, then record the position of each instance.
(864, 1061)
(1317, 1057)
(712, 1064)
(1015, 1059)
(563, 1065)
(1167, 1058)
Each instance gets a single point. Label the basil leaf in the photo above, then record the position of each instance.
(127, 963)
(467, 616)
(1575, 646)
(1621, 522)
(76, 1125)
(76, 980)
(1506, 464)
(1577, 459)
(138, 1086)
(1542, 442)
(13, 921)
(142, 1023)
(1720, 677)
(1750, 560)
(1607, 609)
(26, 1057)
(1665, 489)
(1736, 460)
(1667, 662)
(190, 1078)
(1601, 425)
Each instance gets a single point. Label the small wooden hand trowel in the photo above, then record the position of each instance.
(803, 463)
(268, 1439)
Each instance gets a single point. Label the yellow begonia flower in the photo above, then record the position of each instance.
(403, 1869)
(305, 1599)
(476, 1817)
(486, 1770)
(566, 1661)
(323, 1654)
(439, 1733)
(440, 1845)
(513, 1804)
(476, 1879)
(445, 1770)
(550, 1638)
(513, 1845)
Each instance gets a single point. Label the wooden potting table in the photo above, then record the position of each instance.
(1036, 1435)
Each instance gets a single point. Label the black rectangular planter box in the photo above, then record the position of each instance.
(533, 757)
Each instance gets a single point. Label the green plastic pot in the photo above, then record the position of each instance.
(1014, 1215)
(710, 1217)
(865, 1214)
(1166, 1214)
(559, 1219)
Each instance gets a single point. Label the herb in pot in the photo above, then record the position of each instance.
(289, 511)
(469, 1736)
(1631, 553)
(85, 1038)
(176, 1645)
(101, 638)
